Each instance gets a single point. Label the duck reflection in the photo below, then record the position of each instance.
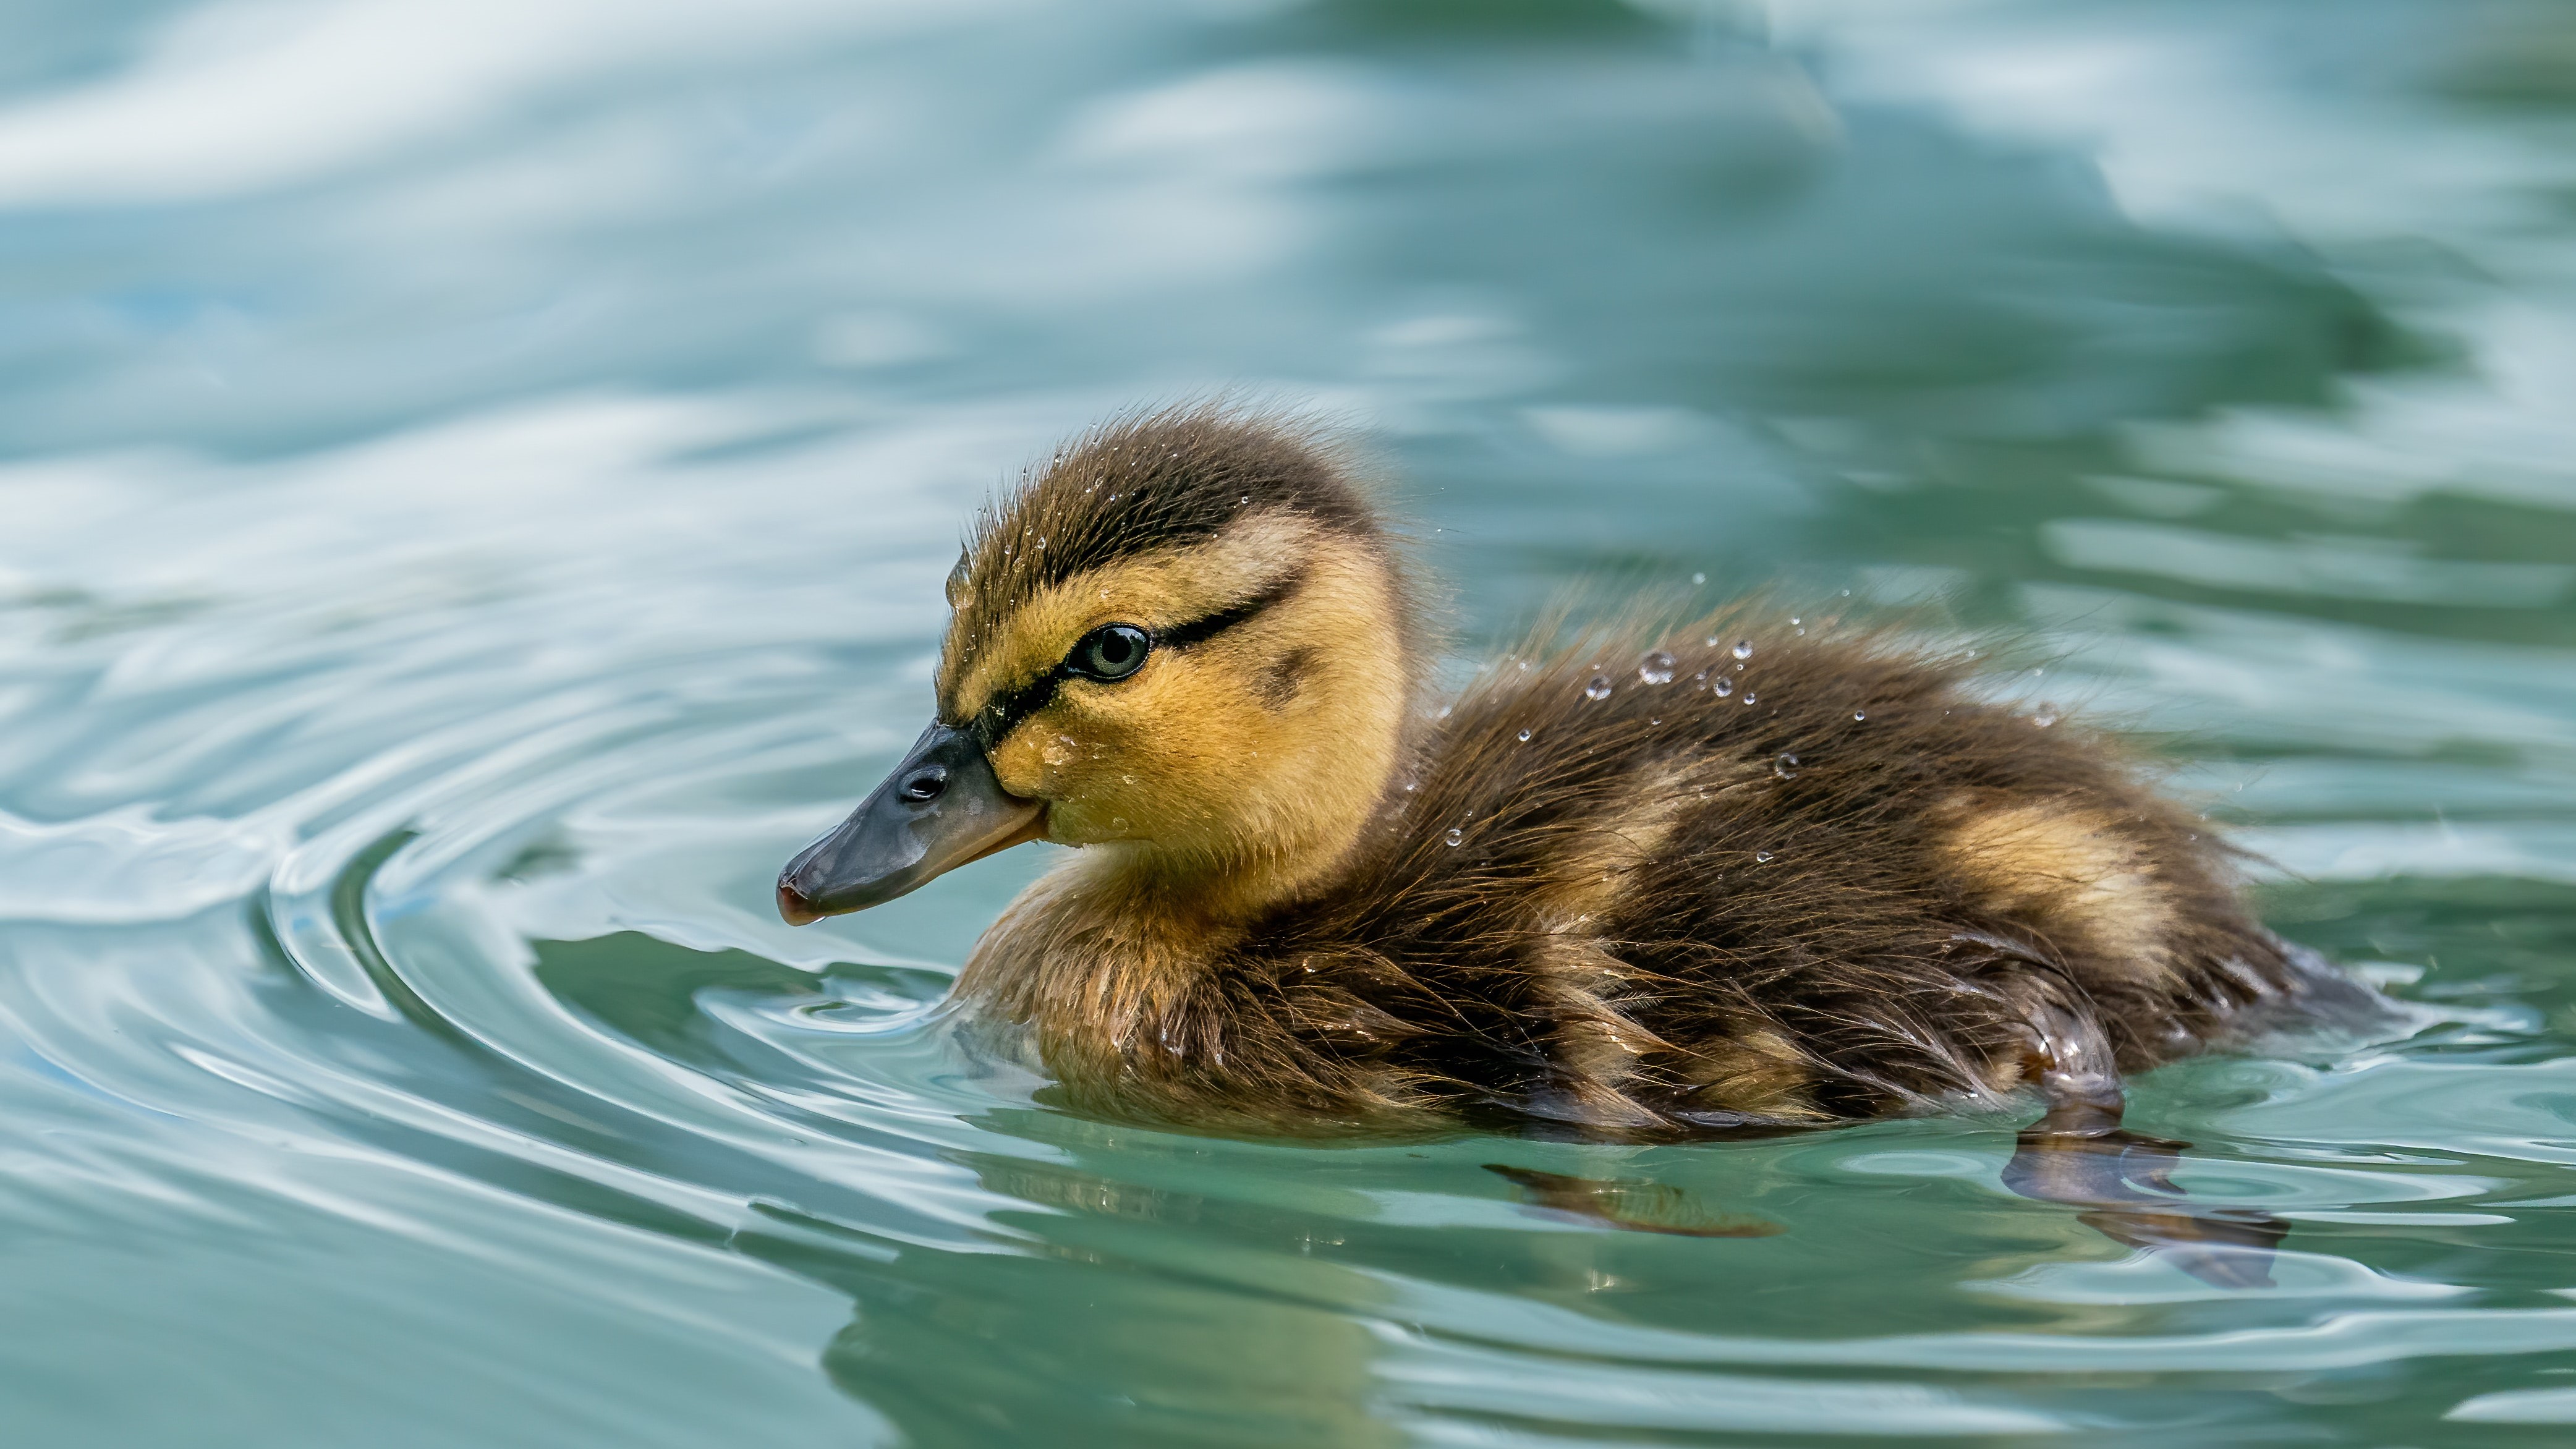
(1621, 1202)
(1117, 1312)
(1120, 1316)
(2124, 1181)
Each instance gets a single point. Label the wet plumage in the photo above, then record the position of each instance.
(1736, 873)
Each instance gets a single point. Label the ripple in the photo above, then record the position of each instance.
(126, 866)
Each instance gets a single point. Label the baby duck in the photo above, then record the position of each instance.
(1745, 875)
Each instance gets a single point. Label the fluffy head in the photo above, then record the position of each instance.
(1246, 751)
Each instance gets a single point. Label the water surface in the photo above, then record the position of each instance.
(477, 477)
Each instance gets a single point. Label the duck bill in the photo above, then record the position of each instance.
(941, 808)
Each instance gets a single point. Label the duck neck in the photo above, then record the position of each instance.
(1098, 952)
(1121, 930)
(1201, 894)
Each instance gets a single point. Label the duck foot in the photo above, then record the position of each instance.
(2078, 1154)
(1645, 1207)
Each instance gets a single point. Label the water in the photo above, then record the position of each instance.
(478, 478)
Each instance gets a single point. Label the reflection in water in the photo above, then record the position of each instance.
(2125, 1181)
(475, 473)
(1646, 1207)
(1075, 1338)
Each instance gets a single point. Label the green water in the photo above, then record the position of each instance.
(474, 482)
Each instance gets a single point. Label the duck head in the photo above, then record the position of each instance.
(1184, 641)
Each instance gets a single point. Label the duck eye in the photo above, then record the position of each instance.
(1112, 651)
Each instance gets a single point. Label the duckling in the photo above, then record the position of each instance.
(1753, 873)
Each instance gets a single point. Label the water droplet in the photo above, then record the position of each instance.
(1699, 578)
(2046, 716)
(1743, 648)
(1524, 666)
(1444, 711)
(1455, 835)
(1117, 822)
(1525, 737)
(1127, 779)
(1859, 714)
(1721, 686)
(1751, 698)
(1786, 767)
(1656, 668)
(1794, 619)
(1763, 856)
(1599, 688)
(1412, 785)
(1654, 721)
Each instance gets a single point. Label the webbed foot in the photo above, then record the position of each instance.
(2078, 1154)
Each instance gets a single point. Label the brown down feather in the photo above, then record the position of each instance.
(1735, 874)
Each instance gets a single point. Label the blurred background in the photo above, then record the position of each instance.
(474, 481)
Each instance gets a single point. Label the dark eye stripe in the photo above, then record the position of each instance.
(1004, 714)
(1200, 630)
